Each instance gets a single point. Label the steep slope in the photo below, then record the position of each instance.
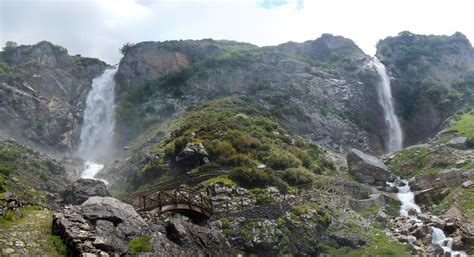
(42, 94)
(432, 78)
(323, 89)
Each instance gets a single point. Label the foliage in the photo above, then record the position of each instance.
(256, 178)
(141, 244)
(465, 124)
(319, 215)
(239, 136)
(298, 176)
(411, 161)
(59, 245)
(127, 46)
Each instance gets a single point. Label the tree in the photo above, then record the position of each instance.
(126, 47)
(9, 45)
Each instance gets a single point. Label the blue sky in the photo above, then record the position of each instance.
(98, 28)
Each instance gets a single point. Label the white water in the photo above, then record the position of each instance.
(407, 199)
(98, 127)
(438, 237)
(395, 136)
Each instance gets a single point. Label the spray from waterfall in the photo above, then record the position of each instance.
(98, 126)
(395, 136)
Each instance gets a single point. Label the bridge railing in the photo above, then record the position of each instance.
(158, 200)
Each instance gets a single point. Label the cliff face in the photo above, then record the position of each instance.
(324, 89)
(432, 77)
(43, 92)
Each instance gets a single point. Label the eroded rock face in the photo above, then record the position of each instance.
(79, 191)
(105, 226)
(43, 98)
(367, 168)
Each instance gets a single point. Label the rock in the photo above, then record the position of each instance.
(192, 156)
(458, 143)
(8, 251)
(381, 216)
(422, 231)
(104, 225)
(367, 167)
(467, 184)
(111, 209)
(82, 189)
(350, 239)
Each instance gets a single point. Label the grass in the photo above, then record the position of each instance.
(411, 161)
(465, 124)
(379, 245)
(460, 197)
(371, 211)
(59, 245)
(141, 244)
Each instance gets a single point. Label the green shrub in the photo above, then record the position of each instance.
(256, 178)
(141, 244)
(59, 245)
(282, 160)
(298, 176)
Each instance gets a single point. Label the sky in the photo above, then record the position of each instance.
(98, 28)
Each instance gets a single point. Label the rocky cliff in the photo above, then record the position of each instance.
(322, 89)
(432, 77)
(42, 94)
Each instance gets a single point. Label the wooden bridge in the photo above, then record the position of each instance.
(185, 201)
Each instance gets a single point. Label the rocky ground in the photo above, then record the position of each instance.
(29, 235)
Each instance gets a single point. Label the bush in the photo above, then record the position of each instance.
(256, 178)
(141, 244)
(59, 245)
(298, 176)
(283, 160)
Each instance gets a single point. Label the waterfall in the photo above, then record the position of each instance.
(446, 243)
(98, 126)
(407, 199)
(395, 137)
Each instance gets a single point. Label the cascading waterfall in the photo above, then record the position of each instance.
(98, 127)
(395, 136)
(407, 200)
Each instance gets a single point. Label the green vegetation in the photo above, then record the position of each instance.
(59, 245)
(370, 212)
(465, 124)
(460, 197)
(319, 215)
(24, 172)
(141, 244)
(412, 161)
(239, 136)
(379, 245)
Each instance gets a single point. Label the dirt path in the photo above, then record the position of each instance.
(28, 236)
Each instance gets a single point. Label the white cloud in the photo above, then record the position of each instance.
(99, 28)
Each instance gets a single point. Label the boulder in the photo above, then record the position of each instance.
(82, 189)
(192, 156)
(422, 231)
(104, 226)
(467, 184)
(458, 143)
(349, 239)
(366, 168)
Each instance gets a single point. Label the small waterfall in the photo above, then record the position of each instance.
(98, 126)
(407, 199)
(395, 137)
(446, 243)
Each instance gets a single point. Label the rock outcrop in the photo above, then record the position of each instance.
(42, 94)
(79, 191)
(367, 168)
(431, 79)
(338, 109)
(105, 226)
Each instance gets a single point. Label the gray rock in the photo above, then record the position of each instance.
(367, 167)
(350, 239)
(82, 189)
(111, 209)
(381, 216)
(458, 143)
(422, 231)
(467, 184)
